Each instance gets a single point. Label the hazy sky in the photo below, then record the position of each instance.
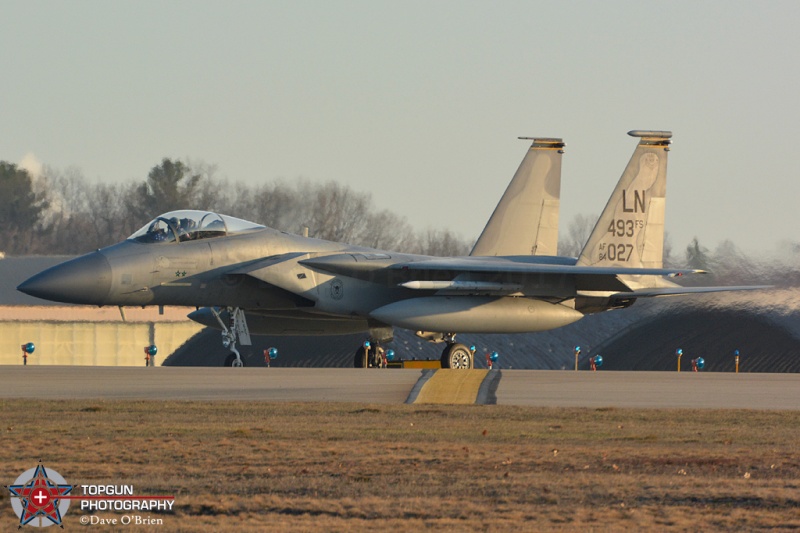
(421, 103)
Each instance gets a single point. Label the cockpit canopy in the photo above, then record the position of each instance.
(181, 226)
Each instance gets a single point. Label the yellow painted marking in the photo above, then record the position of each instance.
(452, 387)
(422, 364)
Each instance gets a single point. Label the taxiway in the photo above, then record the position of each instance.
(683, 390)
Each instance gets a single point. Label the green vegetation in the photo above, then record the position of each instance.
(21, 207)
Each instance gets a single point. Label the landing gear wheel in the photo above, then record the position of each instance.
(376, 356)
(231, 360)
(457, 356)
(360, 360)
(368, 357)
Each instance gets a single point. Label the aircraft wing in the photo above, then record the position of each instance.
(252, 266)
(676, 291)
(281, 295)
(478, 274)
(502, 265)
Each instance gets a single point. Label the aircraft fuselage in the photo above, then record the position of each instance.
(299, 279)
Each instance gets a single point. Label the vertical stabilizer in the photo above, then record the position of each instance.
(630, 231)
(525, 221)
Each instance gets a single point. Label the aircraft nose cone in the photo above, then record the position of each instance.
(83, 280)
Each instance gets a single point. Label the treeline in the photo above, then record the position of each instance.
(60, 212)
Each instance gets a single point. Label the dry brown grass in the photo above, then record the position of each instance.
(342, 467)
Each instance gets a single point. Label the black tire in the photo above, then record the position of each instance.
(375, 359)
(360, 359)
(230, 360)
(457, 356)
(445, 362)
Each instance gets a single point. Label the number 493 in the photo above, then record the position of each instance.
(624, 228)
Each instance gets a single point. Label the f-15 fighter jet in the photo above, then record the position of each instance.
(247, 278)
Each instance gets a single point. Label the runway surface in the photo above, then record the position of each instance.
(514, 387)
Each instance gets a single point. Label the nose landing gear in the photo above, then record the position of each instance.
(237, 327)
(234, 360)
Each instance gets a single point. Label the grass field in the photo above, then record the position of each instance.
(252, 466)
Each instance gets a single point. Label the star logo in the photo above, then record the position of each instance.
(179, 274)
(37, 494)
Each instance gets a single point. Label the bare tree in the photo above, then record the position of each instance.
(580, 227)
(731, 265)
(281, 206)
(83, 216)
(697, 256)
(667, 257)
(210, 192)
(388, 231)
(442, 243)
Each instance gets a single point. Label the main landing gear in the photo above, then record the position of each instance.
(369, 355)
(236, 327)
(457, 356)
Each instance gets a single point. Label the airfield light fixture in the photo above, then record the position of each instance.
(577, 353)
(27, 349)
(150, 352)
(273, 353)
(736, 354)
(390, 355)
(679, 353)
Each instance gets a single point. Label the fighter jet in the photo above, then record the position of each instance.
(247, 278)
